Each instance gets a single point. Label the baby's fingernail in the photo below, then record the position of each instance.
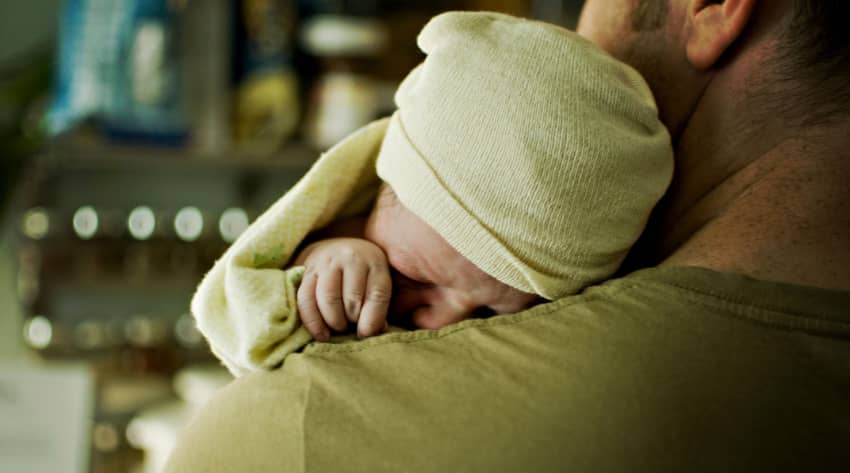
(323, 336)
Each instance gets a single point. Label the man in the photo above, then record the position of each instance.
(756, 95)
(732, 354)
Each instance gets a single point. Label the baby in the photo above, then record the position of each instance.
(427, 285)
(521, 165)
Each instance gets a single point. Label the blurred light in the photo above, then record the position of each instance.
(331, 35)
(232, 223)
(142, 331)
(104, 437)
(85, 222)
(36, 223)
(38, 332)
(189, 223)
(186, 333)
(141, 223)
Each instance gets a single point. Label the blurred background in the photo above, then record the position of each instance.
(138, 138)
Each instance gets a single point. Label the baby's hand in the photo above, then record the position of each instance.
(345, 280)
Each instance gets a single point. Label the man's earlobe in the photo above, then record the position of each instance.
(714, 27)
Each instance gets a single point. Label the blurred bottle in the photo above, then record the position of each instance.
(267, 108)
(348, 93)
(206, 38)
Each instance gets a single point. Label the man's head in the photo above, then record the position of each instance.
(750, 89)
(533, 153)
(678, 45)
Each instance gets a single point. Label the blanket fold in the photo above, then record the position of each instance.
(246, 304)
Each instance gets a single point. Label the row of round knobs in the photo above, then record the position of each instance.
(141, 223)
(41, 333)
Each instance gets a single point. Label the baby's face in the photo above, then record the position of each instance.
(434, 285)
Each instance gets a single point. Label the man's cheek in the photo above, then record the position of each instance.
(604, 22)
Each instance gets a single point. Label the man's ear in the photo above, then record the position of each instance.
(715, 25)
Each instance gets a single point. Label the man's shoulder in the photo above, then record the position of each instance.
(636, 371)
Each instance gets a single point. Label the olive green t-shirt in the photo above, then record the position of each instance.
(673, 369)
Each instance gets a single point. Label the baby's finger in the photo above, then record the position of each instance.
(329, 299)
(308, 311)
(353, 290)
(373, 316)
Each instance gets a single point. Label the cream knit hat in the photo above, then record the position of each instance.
(535, 154)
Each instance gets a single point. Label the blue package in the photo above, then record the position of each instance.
(116, 63)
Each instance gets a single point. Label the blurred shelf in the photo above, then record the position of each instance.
(83, 151)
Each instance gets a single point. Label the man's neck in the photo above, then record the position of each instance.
(764, 198)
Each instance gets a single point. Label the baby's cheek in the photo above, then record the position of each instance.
(430, 317)
(443, 308)
(424, 317)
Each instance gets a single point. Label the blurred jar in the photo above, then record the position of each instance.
(348, 94)
(267, 109)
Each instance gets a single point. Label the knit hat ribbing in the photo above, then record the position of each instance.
(533, 153)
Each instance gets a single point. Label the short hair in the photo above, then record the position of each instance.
(812, 61)
(818, 29)
(649, 15)
(813, 56)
